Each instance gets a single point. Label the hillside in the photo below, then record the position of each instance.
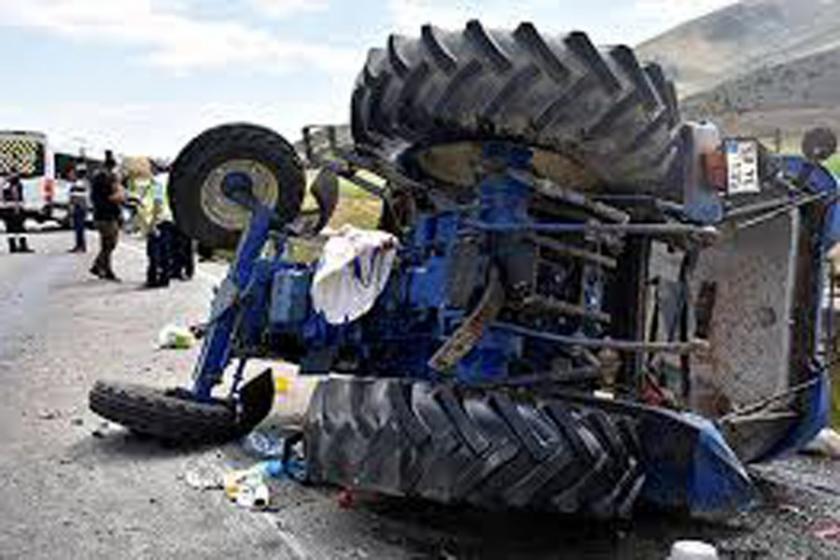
(791, 97)
(742, 38)
(758, 67)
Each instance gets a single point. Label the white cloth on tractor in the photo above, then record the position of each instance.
(351, 273)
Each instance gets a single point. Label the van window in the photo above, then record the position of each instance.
(22, 153)
(63, 164)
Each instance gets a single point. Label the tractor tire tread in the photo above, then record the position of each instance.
(600, 107)
(415, 444)
(156, 413)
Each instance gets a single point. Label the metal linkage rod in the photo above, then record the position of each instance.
(573, 252)
(778, 211)
(708, 232)
(565, 308)
(764, 403)
(776, 203)
(382, 168)
(554, 191)
(614, 344)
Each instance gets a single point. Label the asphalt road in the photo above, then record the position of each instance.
(72, 486)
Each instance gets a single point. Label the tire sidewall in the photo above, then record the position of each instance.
(211, 149)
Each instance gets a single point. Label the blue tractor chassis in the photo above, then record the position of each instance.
(687, 462)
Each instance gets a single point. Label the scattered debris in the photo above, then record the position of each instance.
(826, 444)
(828, 529)
(48, 414)
(793, 510)
(247, 488)
(175, 337)
(199, 330)
(77, 422)
(346, 498)
(292, 467)
(693, 550)
(284, 454)
(203, 480)
(263, 445)
(100, 431)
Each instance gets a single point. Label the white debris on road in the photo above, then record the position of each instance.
(826, 444)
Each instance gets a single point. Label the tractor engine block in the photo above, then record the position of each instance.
(519, 256)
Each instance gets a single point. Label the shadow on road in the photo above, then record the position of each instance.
(437, 531)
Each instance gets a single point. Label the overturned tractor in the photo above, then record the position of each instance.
(585, 301)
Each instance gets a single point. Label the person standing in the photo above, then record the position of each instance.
(15, 218)
(160, 234)
(106, 194)
(79, 194)
(183, 259)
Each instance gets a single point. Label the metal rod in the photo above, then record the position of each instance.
(565, 308)
(574, 252)
(554, 191)
(615, 344)
(381, 168)
(369, 186)
(629, 229)
(758, 405)
(757, 207)
(777, 212)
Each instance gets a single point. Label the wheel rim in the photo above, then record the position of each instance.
(226, 213)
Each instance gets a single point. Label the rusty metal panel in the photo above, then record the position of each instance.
(754, 275)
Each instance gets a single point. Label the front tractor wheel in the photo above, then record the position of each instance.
(200, 207)
(165, 414)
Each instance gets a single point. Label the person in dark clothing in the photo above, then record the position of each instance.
(183, 255)
(205, 252)
(106, 196)
(14, 216)
(159, 250)
(79, 197)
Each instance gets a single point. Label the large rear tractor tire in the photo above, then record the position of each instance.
(199, 206)
(598, 118)
(485, 448)
(168, 415)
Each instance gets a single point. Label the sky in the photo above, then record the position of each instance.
(145, 76)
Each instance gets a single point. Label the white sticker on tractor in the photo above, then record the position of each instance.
(742, 166)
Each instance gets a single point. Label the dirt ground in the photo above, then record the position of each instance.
(72, 486)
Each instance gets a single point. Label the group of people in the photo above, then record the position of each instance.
(13, 215)
(170, 252)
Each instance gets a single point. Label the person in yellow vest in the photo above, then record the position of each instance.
(160, 233)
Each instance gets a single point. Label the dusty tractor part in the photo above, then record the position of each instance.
(597, 114)
(200, 207)
(176, 415)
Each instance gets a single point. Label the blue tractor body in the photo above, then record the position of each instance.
(264, 309)
(591, 302)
